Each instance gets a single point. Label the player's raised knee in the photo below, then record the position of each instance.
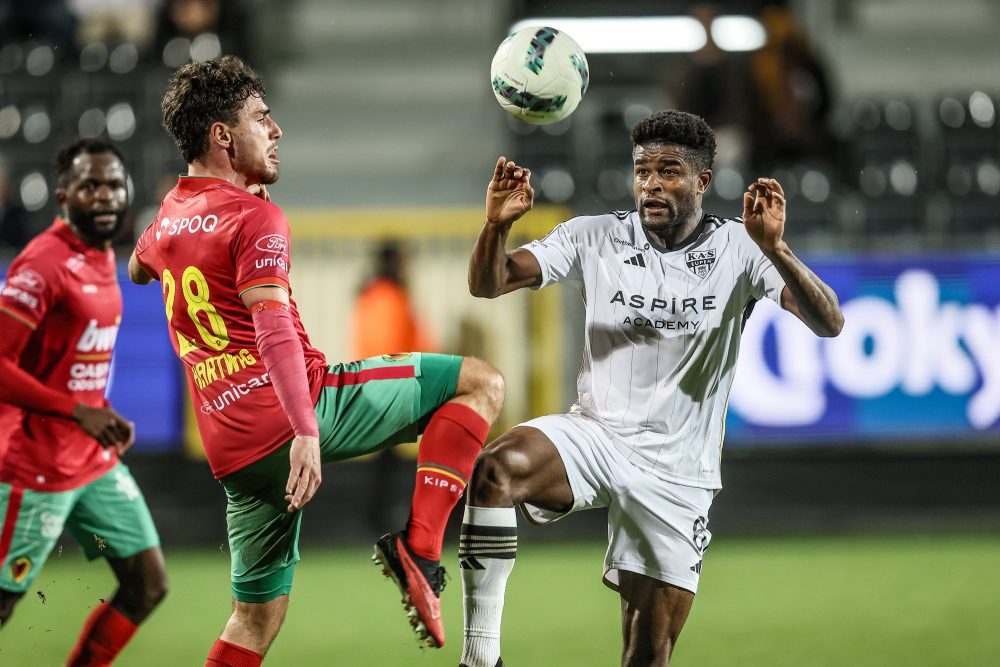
(496, 473)
(484, 384)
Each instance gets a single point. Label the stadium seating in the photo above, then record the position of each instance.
(970, 159)
(103, 91)
(920, 171)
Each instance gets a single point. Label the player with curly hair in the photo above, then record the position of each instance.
(270, 409)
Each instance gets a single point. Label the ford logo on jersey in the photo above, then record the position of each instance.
(275, 243)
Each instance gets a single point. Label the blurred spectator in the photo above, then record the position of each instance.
(48, 21)
(791, 99)
(15, 230)
(115, 21)
(770, 106)
(713, 83)
(209, 28)
(384, 321)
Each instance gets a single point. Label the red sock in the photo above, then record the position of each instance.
(224, 654)
(103, 637)
(451, 442)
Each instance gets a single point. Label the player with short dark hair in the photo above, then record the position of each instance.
(667, 289)
(59, 315)
(687, 132)
(270, 409)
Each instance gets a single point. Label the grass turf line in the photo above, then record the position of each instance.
(879, 602)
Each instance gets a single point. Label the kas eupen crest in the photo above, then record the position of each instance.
(700, 261)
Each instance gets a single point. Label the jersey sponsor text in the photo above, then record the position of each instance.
(275, 243)
(221, 366)
(193, 224)
(234, 393)
(673, 306)
(19, 295)
(98, 339)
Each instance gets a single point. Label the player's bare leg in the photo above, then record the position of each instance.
(520, 466)
(142, 585)
(254, 625)
(453, 438)
(480, 387)
(653, 614)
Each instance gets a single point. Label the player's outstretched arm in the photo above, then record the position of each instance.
(492, 271)
(281, 351)
(805, 295)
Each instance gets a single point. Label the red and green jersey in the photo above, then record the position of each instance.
(67, 293)
(211, 242)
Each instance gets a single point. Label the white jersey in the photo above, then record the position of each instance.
(662, 333)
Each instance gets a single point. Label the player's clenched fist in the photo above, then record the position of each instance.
(105, 426)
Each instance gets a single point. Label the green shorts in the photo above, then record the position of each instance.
(364, 406)
(107, 517)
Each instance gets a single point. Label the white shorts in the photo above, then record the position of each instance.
(655, 527)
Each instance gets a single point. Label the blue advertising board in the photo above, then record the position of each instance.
(918, 359)
(146, 378)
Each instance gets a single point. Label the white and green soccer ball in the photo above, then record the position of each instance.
(539, 75)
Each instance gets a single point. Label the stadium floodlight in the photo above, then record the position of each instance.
(600, 34)
(654, 34)
(738, 33)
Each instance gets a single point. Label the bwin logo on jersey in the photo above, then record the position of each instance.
(700, 261)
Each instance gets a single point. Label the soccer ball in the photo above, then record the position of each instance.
(539, 75)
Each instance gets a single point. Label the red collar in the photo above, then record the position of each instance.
(191, 185)
(62, 229)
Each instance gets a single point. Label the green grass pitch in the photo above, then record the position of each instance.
(880, 602)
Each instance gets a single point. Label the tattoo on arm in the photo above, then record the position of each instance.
(814, 302)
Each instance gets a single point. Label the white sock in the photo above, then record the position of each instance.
(486, 551)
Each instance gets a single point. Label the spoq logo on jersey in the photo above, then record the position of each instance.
(902, 346)
(194, 224)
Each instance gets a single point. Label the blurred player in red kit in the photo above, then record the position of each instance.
(270, 408)
(59, 315)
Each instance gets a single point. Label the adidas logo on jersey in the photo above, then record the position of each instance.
(636, 260)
